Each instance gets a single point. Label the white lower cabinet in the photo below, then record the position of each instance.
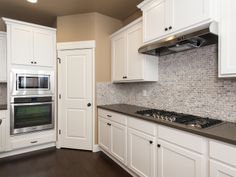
(218, 169)
(174, 161)
(113, 139)
(141, 149)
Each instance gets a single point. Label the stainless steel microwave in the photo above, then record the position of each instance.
(32, 83)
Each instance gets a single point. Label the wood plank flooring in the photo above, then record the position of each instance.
(61, 163)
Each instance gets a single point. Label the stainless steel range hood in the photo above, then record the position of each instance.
(203, 35)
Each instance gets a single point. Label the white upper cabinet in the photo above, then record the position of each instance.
(3, 57)
(162, 17)
(30, 44)
(127, 64)
(227, 42)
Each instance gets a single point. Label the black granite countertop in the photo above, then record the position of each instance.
(225, 132)
(3, 107)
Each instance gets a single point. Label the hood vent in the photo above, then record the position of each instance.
(205, 35)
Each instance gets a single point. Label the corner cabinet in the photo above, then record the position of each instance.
(164, 17)
(227, 42)
(127, 64)
(3, 57)
(30, 44)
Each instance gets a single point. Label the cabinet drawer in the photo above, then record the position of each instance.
(3, 114)
(32, 141)
(223, 152)
(184, 139)
(119, 118)
(143, 126)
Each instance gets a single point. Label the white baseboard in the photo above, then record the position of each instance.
(26, 150)
(96, 148)
(120, 164)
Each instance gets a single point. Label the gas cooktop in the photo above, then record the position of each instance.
(189, 120)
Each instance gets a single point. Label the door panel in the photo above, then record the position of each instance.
(21, 45)
(155, 20)
(141, 153)
(183, 163)
(180, 9)
(43, 48)
(218, 169)
(119, 142)
(119, 57)
(104, 134)
(2, 135)
(75, 87)
(135, 60)
(3, 58)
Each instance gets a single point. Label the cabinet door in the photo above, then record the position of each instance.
(104, 134)
(3, 58)
(119, 57)
(174, 161)
(227, 25)
(119, 142)
(154, 17)
(218, 169)
(141, 151)
(44, 48)
(185, 13)
(2, 134)
(135, 60)
(21, 46)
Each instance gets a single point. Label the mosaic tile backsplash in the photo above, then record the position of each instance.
(3, 93)
(188, 83)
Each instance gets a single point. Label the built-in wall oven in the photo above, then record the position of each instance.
(27, 82)
(30, 114)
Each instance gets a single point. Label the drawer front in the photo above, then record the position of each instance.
(184, 139)
(116, 117)
(32, 141)
(223, 152)
(3, 114)
(143, 126)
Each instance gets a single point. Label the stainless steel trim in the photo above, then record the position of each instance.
(33, 128)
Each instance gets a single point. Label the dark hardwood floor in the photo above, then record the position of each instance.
(61, 163)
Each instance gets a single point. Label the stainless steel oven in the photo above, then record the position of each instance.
(30, 114)
(26, 82)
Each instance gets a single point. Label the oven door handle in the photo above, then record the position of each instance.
(31, 104)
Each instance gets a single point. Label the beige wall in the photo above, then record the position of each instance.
(132, 17)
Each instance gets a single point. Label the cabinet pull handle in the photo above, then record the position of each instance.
(0, 121)
(150, 142)
(166, 29)
(170, 28)
(158, 145)
(124, 77)
(109, 124)
(33, 142)
(109, 116)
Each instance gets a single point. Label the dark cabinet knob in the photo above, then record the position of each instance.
(170, 28)
(108, 124)
(124, 77)
(150, 142)
(89, 104)
(109, 116)
(35, 62)
(158, 145)
(166, 29)
(32, 62)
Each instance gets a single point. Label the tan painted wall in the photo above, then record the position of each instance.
(91, 26)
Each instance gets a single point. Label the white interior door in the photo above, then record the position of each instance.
(75, 87)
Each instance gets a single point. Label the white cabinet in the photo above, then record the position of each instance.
(2, 130)
(112, 135)
(162, 17)
(222, 159)
(127, 64)
(175, 161)
(3, 57)
(218, 169)
(227, 33)
(141, 149)
(30, 44)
